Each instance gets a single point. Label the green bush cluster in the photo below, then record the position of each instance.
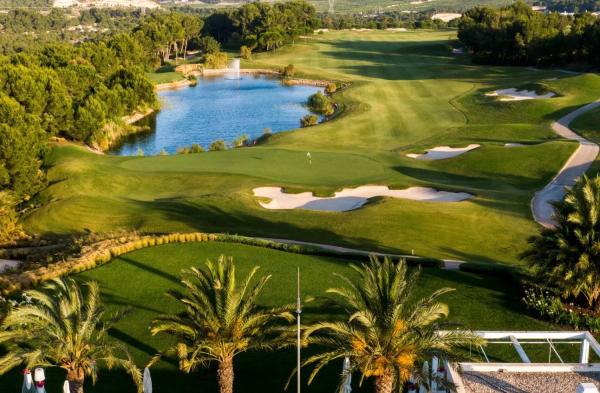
(548, 305)
(308, 121)
(245, 52)
(217, 145)
(288, 71)
(193, 149)
(319, 103)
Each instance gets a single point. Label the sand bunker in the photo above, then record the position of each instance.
(442, 152)
(351, 198)
(514, 144)
(446, 17)
(519, 95)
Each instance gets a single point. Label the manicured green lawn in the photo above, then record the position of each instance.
(165, 74)
(588, 125)
(408, 94)
(140, 279)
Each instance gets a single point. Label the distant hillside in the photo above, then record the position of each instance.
(78, 3)
(105, 3)
(345, 6)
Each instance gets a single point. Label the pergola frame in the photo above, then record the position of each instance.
(516, 339)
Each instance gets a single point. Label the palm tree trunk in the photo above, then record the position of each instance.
(225, 376)
(384, 383)
(76, 379)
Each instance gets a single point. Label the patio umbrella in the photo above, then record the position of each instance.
(66, 388)
(347, 386)
(27, 382)
(147, 384)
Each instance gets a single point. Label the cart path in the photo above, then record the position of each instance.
(448, 264)
(579, 162)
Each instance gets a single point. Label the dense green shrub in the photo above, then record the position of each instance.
(308, 121)
(208, 45)
(547, 304)
(216, 60)
(196, 148)
(245, 52)
(217, 145)
(288, 71)
(319, 103)
(331, 88)
(241, 141)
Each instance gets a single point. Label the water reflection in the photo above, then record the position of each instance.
(218, 108)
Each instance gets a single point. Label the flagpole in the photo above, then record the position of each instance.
(298, 312)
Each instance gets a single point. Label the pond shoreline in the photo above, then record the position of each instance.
(195, 71)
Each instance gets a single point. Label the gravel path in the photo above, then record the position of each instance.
(509, 382)
(576, 166)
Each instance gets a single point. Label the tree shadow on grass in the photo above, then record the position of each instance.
(399, 60)
(150, 269)
(241, 221)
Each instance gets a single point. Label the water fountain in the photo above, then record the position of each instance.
(234, 70)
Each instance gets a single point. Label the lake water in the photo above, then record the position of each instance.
(219, 108)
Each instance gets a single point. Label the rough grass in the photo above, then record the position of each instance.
(408, 93)
(140, 279)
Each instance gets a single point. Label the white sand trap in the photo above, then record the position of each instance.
(8, 264)
(514, 144)
(519, 95)
(351, 198)
(442, 152)
(458, 51)
(397, 29)
(446, 16)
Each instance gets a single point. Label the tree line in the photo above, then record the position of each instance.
(262, 26)
(570, 5)
(517, 35)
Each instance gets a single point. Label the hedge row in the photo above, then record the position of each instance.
(104, 251)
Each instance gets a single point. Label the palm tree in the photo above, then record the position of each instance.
(220, 320)
(568, 255)
(63, 326)
(386, 336)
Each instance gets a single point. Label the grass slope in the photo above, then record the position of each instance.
(140, 279)
(408, 93)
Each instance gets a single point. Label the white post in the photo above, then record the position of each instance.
(298, 312)
(520, 350)
(434, 373)
(584, 353)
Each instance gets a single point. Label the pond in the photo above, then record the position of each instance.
(219, 108)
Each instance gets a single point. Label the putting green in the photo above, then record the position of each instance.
(408, 93)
